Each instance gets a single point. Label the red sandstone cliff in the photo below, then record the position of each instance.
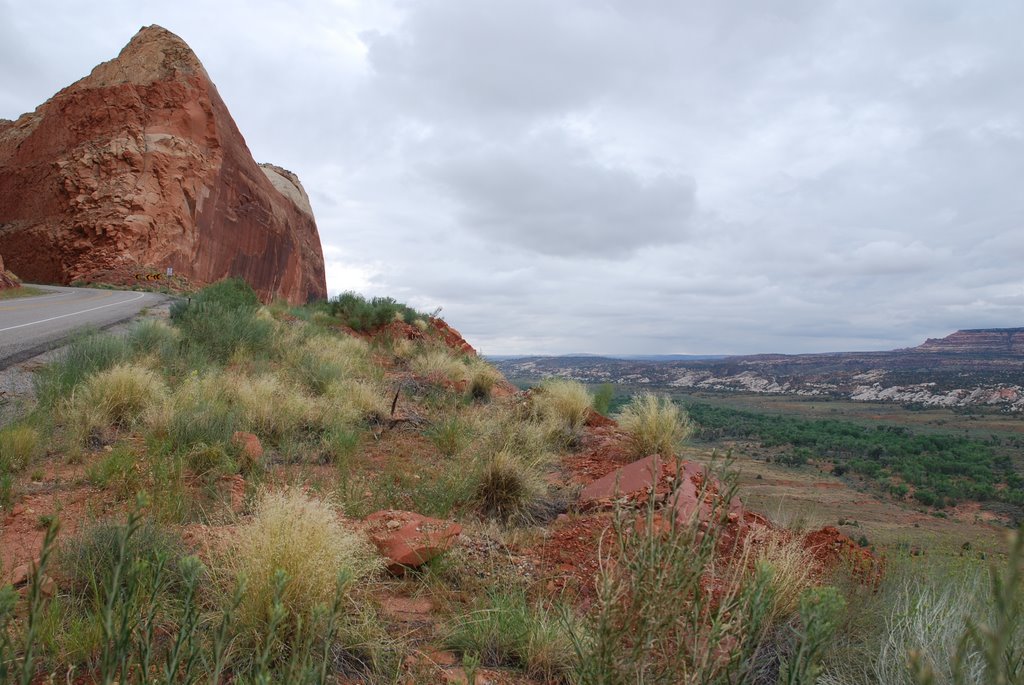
(140, 165)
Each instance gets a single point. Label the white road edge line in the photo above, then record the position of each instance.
(139, 296)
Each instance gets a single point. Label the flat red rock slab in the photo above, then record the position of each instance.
(627, 482)
(408, 539)
(407, 609)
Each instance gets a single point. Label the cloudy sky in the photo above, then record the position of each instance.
(622, 175)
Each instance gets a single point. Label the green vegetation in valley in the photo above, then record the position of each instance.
(942, 469)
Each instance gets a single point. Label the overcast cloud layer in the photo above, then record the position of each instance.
(622, 176)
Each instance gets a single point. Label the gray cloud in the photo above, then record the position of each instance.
(627, 175)
(548, 196)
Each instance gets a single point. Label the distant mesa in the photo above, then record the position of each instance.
(140, 167)
(988, 341)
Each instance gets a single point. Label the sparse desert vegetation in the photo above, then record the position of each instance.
(244, 493)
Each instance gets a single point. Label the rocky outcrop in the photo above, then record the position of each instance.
(140, 165)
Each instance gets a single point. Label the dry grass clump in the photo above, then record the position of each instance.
(482, 379)
(303, 537)
(318, 360)
(562, 406)
(510, 489)
(792, 569)
(19, 445)
(355, 401)
(152, 336)
(199, 412)
(655, 425)
(439, 363)
(503, 432)
(270, 406)
(120, 396)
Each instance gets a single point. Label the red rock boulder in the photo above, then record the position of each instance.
(409, 540)
(139, 165)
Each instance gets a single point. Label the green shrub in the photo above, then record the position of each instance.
(603, 398)
(355, 402)
(270, 406)
(360, 314)
(117, 470)
(88, 354)
(319, 360)
(482, 379)
(340, 445)
(655, 619)
(438, 362)
(506, 630)
(232, 293)
(152, 337)
(200, 412)
(654, 425)
(88, 560)
(450, 436)
(222, 319)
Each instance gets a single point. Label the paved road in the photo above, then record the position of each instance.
(32, 325)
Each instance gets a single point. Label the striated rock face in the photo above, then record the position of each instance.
(988, 341)
(140, 165)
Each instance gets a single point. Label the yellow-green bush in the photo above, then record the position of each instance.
(19, 445)
(302, 536)
(562, 406)
(122, 396)
(655, 425)
(270, 406)
(352, 402)
(438, 362)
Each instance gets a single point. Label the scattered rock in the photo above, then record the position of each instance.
(407, 609)
(630, 482)
(20, 575)
(235, 487)
(408, 539)
(250, 447)
(47, 586)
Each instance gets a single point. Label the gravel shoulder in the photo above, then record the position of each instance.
(17, 388)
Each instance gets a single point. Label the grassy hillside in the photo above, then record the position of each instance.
(192, 501)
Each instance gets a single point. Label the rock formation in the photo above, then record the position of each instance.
(985, 341)
(7, 279)
(140, 166)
